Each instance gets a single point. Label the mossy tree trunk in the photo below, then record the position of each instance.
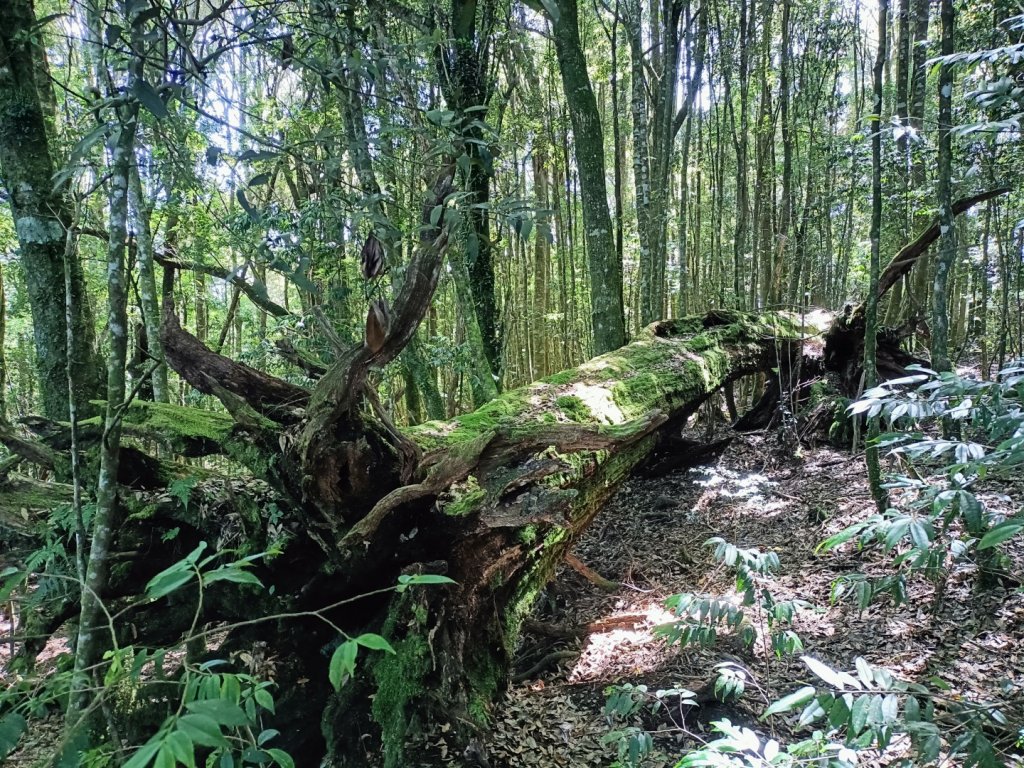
(42, 218)
(606, 306)
(493, 499)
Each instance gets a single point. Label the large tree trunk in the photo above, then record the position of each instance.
(42, 219)
(607, 314)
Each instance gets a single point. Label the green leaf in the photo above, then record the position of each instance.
(343, 663)
(145, 754)
(150, 99)
(266, 735)
(233, 574)
(823, 671)
(169, 580)
(792, 701)
(840, 711)
(375, 643)
(859, 714)
(12, 726)
(221, 711)
(864, 671)
(181, 489)
(281, 758)
(840, 538)
(264, 699)
(164, 758)
(201, 730)
(896, 532)
(251, 155)
(1000, 533)
(247, 206)
(428, 578)
(182, 748)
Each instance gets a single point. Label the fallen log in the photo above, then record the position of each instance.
(909, 254)
(844, 340)
(494, 501)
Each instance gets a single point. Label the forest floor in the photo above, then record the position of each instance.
(651, 539)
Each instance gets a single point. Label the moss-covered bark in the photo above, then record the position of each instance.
(41, 219)
(494, 501)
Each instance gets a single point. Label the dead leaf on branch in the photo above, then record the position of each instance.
(378, 323)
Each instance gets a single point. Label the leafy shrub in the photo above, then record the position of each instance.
(945, 521)
(700, 617)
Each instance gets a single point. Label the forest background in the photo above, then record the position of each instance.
(252, 177)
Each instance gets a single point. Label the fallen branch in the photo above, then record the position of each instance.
(590, 574)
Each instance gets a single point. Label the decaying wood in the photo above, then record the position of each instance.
(30, 450)
(338, 452)
(201, 367)
(493, 499)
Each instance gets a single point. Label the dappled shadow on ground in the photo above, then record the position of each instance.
(651, 538)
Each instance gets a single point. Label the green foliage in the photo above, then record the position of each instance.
(218, 718)
(219, 715)
(871, 708)
(701, 617)
(741, 747)
(623, 703)
(945, 521)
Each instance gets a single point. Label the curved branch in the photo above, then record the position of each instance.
(909, 254)
(256, 291)
(203, 368)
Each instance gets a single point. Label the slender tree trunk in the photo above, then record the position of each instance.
(617, 146)
(986, 360)
(947, 228)
(786, 217)
(147, 283)
(903, 77)
(467, 89)
(916, 293)
(541, 264)
(3, 354)
(90, 643)
(871, 306)
(641, 159)
(607, 316)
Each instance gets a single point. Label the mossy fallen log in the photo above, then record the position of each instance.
(493, 499)
(25, 502)
(503, 493)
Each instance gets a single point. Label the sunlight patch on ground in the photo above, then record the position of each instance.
(750, 490)
(621, 650)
